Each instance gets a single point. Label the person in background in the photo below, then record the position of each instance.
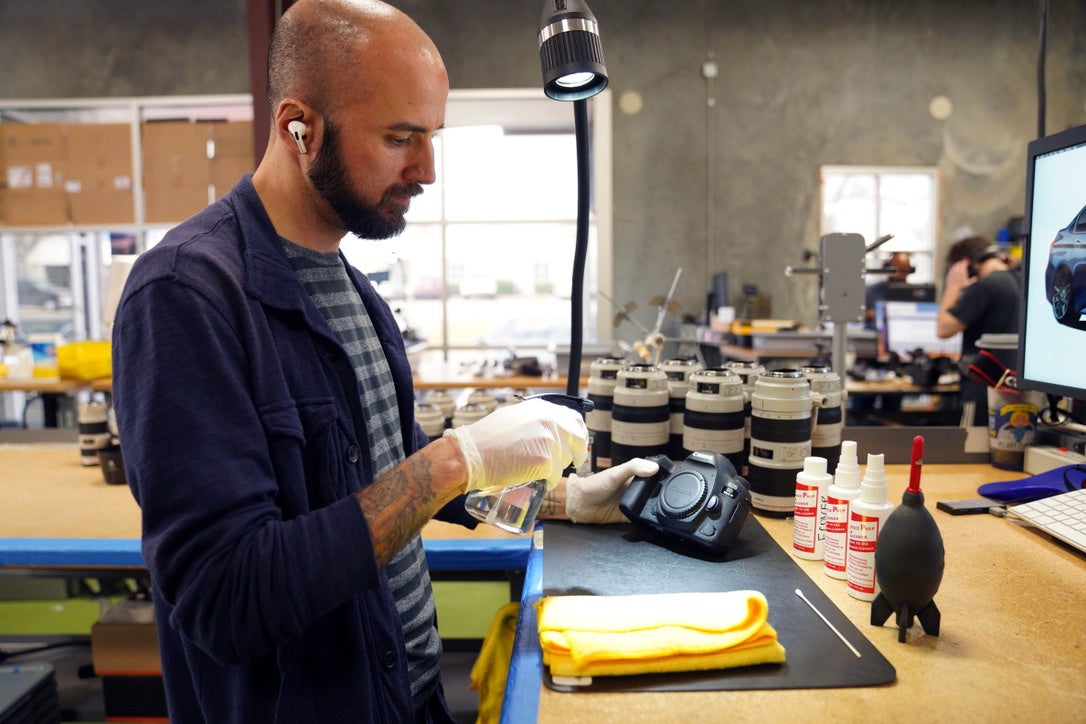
(901, 264)
(981, 296)
(966, 248)
(266, 408)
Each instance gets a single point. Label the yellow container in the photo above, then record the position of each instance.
(85, 360)
(46, 372)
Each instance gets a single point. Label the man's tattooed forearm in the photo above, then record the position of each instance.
(396, 505)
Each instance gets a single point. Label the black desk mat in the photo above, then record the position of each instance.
(619, 560)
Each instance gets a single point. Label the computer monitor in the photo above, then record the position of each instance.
(904, 327)
(1052, 335)
(905, 292)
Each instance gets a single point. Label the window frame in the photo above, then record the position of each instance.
(923, 253)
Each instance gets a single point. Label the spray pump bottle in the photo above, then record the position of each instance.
(866, 518)
(839, 497)
(809, 521)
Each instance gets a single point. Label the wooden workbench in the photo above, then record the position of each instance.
(1012, 643)
(48, 496)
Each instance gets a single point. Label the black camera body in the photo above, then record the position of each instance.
(700, 501)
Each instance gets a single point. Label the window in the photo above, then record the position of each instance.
(45, 300)
(874, 201)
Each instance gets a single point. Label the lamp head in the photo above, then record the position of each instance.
(570, 51)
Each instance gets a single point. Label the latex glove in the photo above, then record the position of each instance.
(532, 440)
(595, 499)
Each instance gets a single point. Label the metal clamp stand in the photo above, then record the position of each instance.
(840, 287)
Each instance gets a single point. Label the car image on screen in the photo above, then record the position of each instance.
(1065, 275)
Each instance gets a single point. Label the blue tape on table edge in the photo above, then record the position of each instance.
(441, 554)
(521, 701)
(71, 552)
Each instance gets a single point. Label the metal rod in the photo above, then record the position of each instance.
(827, 622)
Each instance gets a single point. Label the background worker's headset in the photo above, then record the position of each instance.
(981, 257)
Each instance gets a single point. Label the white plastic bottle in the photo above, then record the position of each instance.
(867, 515)
(809, 523)
(839, 497)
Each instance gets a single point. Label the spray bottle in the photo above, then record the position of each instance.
(809, 524)
(514, 507)
(867, 515)
(839, 497)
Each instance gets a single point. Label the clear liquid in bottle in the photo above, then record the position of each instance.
(512, 509)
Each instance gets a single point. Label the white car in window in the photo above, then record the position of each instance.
(478, 286)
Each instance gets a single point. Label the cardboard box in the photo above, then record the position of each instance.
(176, 169)
(226, 172)
(125, 649)
(99, 183)
(233, 157)
(126, 659)
(232, 139)
(32, 157)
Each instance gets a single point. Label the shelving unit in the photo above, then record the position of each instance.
(80, 254)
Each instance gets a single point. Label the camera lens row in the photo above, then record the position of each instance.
(765, 422)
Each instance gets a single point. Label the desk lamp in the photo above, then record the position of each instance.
(571, 55)
(572, 59)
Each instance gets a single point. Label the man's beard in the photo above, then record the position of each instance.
(329, 176)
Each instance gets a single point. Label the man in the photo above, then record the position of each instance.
(966, 248)
(980, 296)
(265, 405)
(902, 267)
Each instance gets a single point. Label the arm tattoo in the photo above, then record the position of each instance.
(398, 504)
(553, 505)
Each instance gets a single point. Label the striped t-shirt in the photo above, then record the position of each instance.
(325, 279)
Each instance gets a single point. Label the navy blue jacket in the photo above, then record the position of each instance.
(241, 428)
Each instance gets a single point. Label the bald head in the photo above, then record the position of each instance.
(901, 264)
(328, 53)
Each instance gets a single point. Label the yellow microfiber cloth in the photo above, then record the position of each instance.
(491, 668)
(655, 633)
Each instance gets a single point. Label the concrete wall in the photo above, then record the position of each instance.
(729, 186)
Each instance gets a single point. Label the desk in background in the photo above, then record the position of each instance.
(516, 382)
(426, 381)
(899, 402)
(51, 392)
(792, 345)
(438, 374)
(1012, 644)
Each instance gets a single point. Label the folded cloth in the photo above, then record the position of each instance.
(655, 633)
(491, 668)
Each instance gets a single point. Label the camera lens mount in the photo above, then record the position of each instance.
(682, 494)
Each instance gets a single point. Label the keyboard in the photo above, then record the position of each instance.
(1062, 516)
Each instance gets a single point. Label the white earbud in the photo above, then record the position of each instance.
(298, 130)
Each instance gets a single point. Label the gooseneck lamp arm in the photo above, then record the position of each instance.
(580, 249)
(571, 57)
